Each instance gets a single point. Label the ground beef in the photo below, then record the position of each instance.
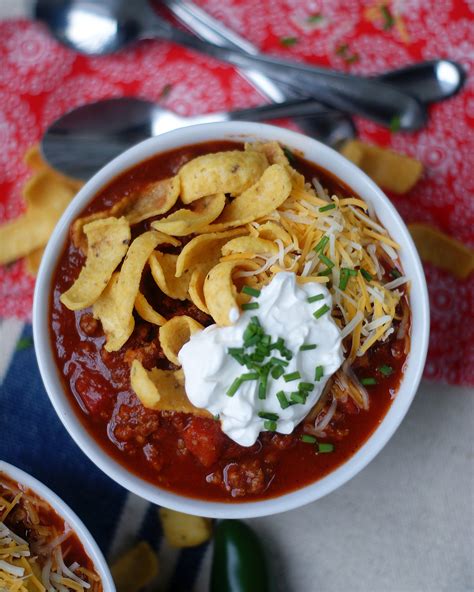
(89, 325)
(244, 478)
(149, 354)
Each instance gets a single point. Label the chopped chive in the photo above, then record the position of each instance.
(251, 291)
(308, 439)
(252, 341)
(322, 244)
(282, 400)
(267, 415)
(277, 372)
(235, 350)
(325, 447)
(258, 357)
(369, 381)
(315, 298)
(306, 386)
(289, 41)
(216, 417)
(351, 271)
(278, 361)
(289, 155)
(262, 387)
(292, 376)
(249, 376)
(318, 373)
(250, 306)
(386, 370)
(266, 339)
(319, 313)
(325, 272)
(343, 279)
(298, 397)
(308, 346)
(234, 387)
(389, 21)
(315, 18)
(326, 260)
(395, 273)
(395, 124)
(365, 274)
(24, 343)
(270, 425)
(327, 208)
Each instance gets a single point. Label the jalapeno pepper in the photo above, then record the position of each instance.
(238, 563)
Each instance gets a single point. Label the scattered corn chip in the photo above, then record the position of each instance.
(183, 530)
(175, 333)
(163, 270)
(443, 251)
(147, 312)
(267, 194)
(392, 171)
(108, 241)
(162, 390)
(189, 221)
(222, 172)
(137, 568)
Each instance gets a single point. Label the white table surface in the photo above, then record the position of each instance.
(404, 524)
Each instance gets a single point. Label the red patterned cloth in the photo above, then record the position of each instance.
(40, 80)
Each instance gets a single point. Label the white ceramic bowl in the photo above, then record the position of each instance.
(89, 544)
(342, 169)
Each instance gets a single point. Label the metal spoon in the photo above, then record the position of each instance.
(429, 81)
(98, 27)
(82, 141)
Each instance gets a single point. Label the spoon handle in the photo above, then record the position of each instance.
(351, 94)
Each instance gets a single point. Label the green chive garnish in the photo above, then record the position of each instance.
(325, 447)
(319, 313)
(395, 273)
(282, 400)
(288, 41)
(365, 274)
(308, 346)
(343, 279)
(270, 425)
(322, 244)
(327, 208)
(386, 370)
(325, 272)
(319, 373)
(298, 397)
(251, 291)
(277, 372)
(289, 155)
(389, 21)
(278, 361)
(306, 386)
(235, 350)
(395, 124)
(249, 376)
(234, 387)
(308, 439)
(292, 376)
(369, 381)
(326, 261)
(315, 298)
(315, 18)
(267, 415)
(250, 306)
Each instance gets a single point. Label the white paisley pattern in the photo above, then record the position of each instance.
(40, 80)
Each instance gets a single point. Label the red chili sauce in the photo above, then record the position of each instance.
(22, 520)
(178, 452)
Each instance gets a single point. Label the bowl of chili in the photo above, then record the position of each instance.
(183, 461)
(44, 540)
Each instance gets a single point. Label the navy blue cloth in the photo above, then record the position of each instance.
(34, 439)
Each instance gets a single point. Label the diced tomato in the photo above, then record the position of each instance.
(204, 439)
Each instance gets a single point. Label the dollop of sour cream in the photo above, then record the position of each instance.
(285, 310)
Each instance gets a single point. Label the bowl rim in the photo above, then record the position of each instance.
(358, 181)
(44, 492)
